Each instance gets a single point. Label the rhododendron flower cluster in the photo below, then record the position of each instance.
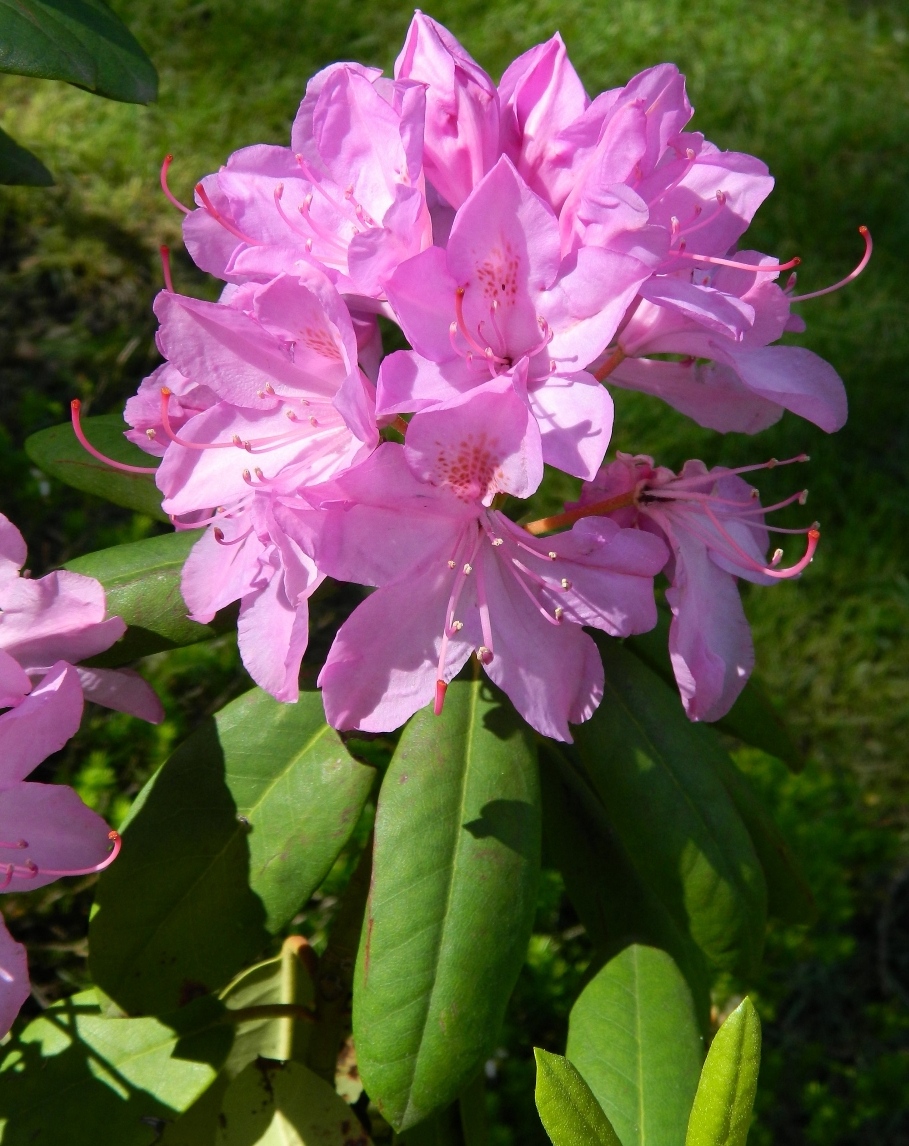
(46, 832)
(535, 247)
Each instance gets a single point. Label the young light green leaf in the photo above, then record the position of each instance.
(456, 864)
(633, 1036)
(19, 166)
(142, 583)
(721, 1114)
(616, 907)
(76, 1077)
(670, 813)
(81, 41)
(752, 719)
(283, 979)
(285, 1104)
(223, 844)
(57, 451)
(567, 1107)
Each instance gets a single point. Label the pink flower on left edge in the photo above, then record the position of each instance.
(500, 295)
(57, 618)
(455, 576)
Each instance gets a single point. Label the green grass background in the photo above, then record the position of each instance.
(820, 90)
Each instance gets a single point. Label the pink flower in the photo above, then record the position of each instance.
(43, 623)
(455, 576)
(290, 399)
(46, 832)
(348, 193)
(500, 295)
(714, 525)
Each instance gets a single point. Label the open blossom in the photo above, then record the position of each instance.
(500, 294)
(713, 523)
(456, 577)
(280, 360)
(348, 193)
(44, 622)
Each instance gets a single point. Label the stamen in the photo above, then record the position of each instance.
(441, 689)
(165, 166)
(774, 268)
(75, 410)
(279, 192)
(219, 218)
(692, 159)
(165, 268)
(614, 360)
(862, 263)
(17, 845)
(462, 325)
(707, 220)
(570, 516)
(485, 652)
(112, 855)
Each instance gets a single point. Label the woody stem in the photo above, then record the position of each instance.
(570, 516)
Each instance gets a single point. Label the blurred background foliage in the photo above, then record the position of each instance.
(820, 90)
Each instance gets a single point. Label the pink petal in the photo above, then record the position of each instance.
(14, 681)
(122, 690)
(15, 986)
(273, 635)
(12, 548)
(383, 664)
(551, 673)
(462, 108)
(422, 291)
(711, 394)
(797, 379)
(62, 836)
(41, 724)
(216, 574)
(574, 413)
(722, 313)
(408, 382)
(480, 443)
(57, 617)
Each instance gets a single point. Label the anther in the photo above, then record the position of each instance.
(237, 441)
(457, 626)
(559, 612)
(777, 557)
(497, 541)
(150, 434)
(484, 655)
(452, 564)
(219, 533)
(552, 555)
(441, 689)
(803, 497)
(565, 583)
(468, 569)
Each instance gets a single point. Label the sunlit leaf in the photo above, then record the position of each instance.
(634, 1038)
(721, 1114)
(452, 901)
(567, 1107)
(222, 846)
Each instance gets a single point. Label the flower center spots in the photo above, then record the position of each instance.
(470, 470)
(321, 342)
(498, 276)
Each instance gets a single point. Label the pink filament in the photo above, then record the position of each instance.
(219, 218)
(774, 268)
(75, 410)
(862, 263)
(168, 160)
(30, 870)
(165, 268)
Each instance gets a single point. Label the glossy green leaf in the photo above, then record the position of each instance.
(752, 719)
(80, 41)
(671, 814)
(721, 1114)
(456, 864)
(19, 166)
(567, 1107)
(76, 1077)
(142, 583)
(199, 1125)
(633, 1036)
(221, 847)
(442, 1129)
(789, 896)
(283, 979)
(284, 1104)
(612, 902)
(57, 451)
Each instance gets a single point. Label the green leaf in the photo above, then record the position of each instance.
(19, 166)
(80, 41)
(57, 451)
(442, 1129)
(455, 870)
(284, 1104)
(76, 1077)
(633, 1036)
(616, 907)
(567, 1107)
(671, 815)
(789, 895)
(221, 847)
(142, 583)
(199, 1125)
(721, 1114)
(752, 719)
